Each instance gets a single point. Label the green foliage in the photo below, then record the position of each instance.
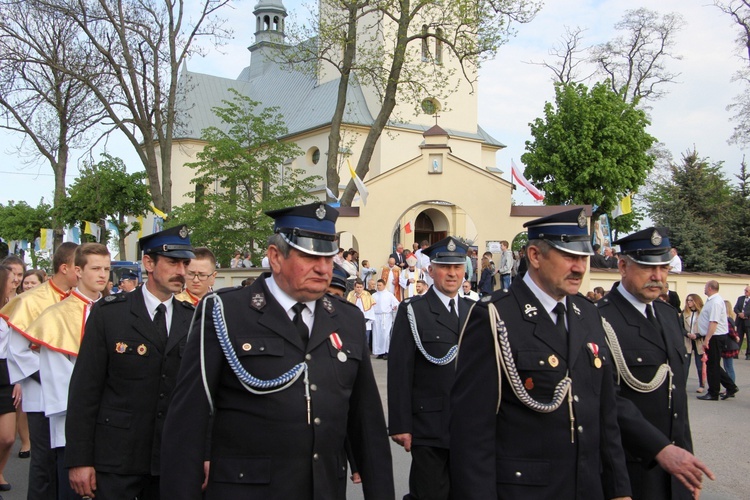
(239, 175)
(19, 221)
(591, 147)
(736, 244)
(696, 207)
(105, 191)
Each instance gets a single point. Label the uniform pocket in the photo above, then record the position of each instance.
(130, 359)
(113, 436)
(258, 346)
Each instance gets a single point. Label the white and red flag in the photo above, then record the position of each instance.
(518, 176)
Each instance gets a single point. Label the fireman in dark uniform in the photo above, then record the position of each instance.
(549, 431)
(648, 350)
(124, 376)
(278, 375)
(421, 370)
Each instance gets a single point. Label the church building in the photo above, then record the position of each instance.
(432, 174)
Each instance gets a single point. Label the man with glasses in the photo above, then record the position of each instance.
(200, 276)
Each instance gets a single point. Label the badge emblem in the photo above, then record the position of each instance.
(121, 347)
(576, 310)
(582, 219)
(656, 238)
(486, 298)
(529, 310)
(528, 384)
(142, 349)
(183, 232)
(327, 304)
(320, 213)
(246, 346)
(258, 300)
(553, 361)
(110, 298)
(451, 246)
(595, 351)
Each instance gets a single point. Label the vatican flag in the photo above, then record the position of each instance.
(624, 207)
(358, 182)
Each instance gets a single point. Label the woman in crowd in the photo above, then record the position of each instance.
(693, 339)
(31, 278)
(485, 280)
(17, 269)
(10, 396)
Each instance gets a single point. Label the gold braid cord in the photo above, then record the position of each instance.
(623, 372)
(504, 358)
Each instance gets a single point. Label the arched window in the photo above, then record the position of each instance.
(266, 23)
(257, 24)
(276, 23)
(425, 45)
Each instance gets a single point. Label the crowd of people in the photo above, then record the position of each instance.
(503, 381)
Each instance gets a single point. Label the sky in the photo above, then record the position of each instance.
(512, 92)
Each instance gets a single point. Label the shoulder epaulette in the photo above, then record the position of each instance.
(228, 289)
(412, 299)
(114, 298)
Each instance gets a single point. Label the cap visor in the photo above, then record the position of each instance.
(312, 246)
(573, 247)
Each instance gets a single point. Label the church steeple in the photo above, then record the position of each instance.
(270, 16)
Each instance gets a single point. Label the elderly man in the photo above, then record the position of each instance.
(421, 370)
(277, 375)
(712, 325)
(742, 322)
(651, 360)
(128, 282)
(200, 276)
(550, 430)
(123, 378)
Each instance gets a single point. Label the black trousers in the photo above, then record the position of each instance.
(120, 487)
(714, 372)
(43, 463)
(64, 491)
(429, 477)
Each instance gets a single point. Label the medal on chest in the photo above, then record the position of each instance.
(595, 351)
(336, 342)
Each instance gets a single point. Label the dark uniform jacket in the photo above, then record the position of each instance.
(121, 386)
(739, 307)
(647, 422)
(262, 446)
(418, 390)
(520, 453)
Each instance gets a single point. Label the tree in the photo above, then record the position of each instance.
(241, 173)
(695, 206)
(736, 244)
(390, 61)
(54, 111)
(739, 11)
(141, 45)
(591, 147)
(105, 191)
(570, 58)
(19, 221)
(635, 63)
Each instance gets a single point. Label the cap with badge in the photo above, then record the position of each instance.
(129, 275)
(649, 247)
(338, 280)
(447, 251)
(173, 242)
(308, 228)
(566, 231)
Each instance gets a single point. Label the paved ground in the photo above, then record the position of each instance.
(718, 435)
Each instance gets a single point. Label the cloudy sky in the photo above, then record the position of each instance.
(512, 92)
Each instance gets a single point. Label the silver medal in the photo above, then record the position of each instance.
(341, 356)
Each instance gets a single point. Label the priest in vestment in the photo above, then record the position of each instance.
(409, 277)
(385, 308)
(391, 274)
(364, 301)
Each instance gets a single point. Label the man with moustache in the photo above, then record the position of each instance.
(277, 376)
(650, 357)
(123, 379)
(550, 430)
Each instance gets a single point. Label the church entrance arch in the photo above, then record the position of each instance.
(432, 221)
(430, 225)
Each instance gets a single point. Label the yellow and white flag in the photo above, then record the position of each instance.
(92, 229)
(624, 207)
(358, 182)
(46, 239)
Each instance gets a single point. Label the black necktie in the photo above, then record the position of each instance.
(302, 330)
(160, 322)
(650, 316)
(560, 311)
(452, 307)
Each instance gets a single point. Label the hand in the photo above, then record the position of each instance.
(16, 395)
(206, 467)
(83, 480)
(622, 498)
(356, 478)
(403, 440)
(684, 466)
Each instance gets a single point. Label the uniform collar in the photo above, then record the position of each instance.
(285, 301)
(152, 302)
(640, 306)
(547, 301)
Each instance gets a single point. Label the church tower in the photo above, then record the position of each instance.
(270, 16)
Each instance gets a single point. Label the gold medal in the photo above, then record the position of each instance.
(597, 362)
(121, 347)
(142, 349)
(246, 346)
(553, 361)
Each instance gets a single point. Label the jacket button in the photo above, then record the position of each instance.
(317, 421)
(241, 475)
(262, 349)
(106, 420)
(640, 360)
(308, 357)
(313, 387)
(161, 396)
(316, 457)
(675, 415)
(580, 428)
(541, 362)
(518, 474)
(575, 398)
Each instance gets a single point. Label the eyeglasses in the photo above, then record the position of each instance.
(202, 277)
